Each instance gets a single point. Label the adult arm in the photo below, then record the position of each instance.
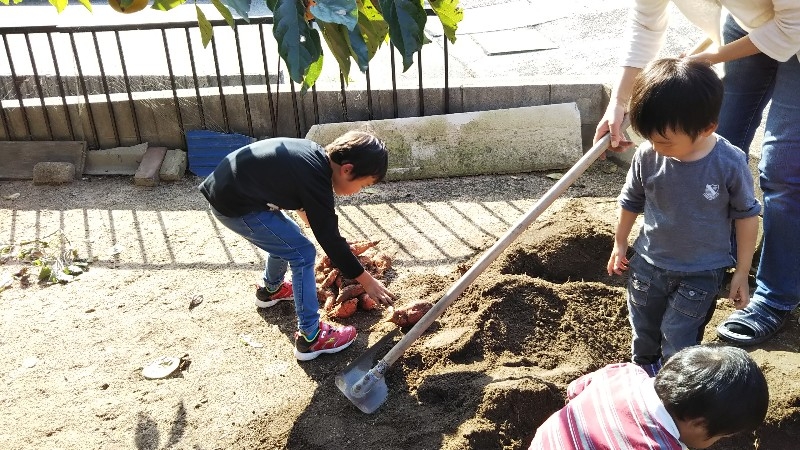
(643, 39)
(739, 48)
(617, 106)
(778, 37)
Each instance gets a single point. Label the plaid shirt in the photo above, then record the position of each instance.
(616, 408)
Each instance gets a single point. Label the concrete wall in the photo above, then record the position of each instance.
(160, 123)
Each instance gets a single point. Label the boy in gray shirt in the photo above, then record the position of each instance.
(694, 189)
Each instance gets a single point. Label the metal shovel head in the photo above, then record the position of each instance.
(356, 370)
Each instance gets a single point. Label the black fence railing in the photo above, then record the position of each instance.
(94, 83)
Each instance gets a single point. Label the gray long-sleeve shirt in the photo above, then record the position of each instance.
(689, 207)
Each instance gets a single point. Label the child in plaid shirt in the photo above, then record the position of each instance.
(702, 394)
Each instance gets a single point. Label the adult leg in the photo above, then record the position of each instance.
(748, 84)
(778, 278)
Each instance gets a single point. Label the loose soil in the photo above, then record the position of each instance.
(165, 280)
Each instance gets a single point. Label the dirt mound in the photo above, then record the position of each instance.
(530, 336)
(484, 376)
(498, 360)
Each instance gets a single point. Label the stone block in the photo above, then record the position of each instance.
(53, 173)
(115, 161)
(515, 140)
(147, 173)
(174, 165)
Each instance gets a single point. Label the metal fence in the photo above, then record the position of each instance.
(63, 82)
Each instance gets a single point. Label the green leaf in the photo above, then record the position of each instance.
(272, 4)
(226, 13)
(59, 4)
(298, 44)
(359, 49)
(86, 3)
(242, 7)
(336, 36)
(312, 74)
(406, 19)
(206, 30)
(450, 14)
(370, 5)
(166, 5)
(344, 12)
(45, 273)
(369, 36)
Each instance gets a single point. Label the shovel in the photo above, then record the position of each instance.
(364, 384)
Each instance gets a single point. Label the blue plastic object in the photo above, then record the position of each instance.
(207, 148)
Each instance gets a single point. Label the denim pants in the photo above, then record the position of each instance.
(750, 83)
(668, 310)
(279, 236)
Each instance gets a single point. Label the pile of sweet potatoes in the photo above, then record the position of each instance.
(341, 297)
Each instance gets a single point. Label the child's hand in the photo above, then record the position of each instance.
(376, 289)
(618, 263)
(740, 290)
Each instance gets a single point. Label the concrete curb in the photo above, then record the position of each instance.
(512, 140)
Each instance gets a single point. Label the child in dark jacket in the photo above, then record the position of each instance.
(248, 193)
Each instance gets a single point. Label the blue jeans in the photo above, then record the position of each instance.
(279, 236)
(668, 310)
(750, 83)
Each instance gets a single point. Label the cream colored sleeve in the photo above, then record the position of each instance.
(645, 32)
(779, 37)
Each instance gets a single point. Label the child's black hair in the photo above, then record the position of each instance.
(364, 151)
(680, 95)
(720, 384)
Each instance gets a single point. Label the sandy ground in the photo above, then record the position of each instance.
(164, 279)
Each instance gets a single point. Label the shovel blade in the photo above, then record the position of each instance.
(355, 371)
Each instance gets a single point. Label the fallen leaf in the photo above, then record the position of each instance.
(12, 196)
(555, 176)
(195, 301)
(74, 269)
(161, 367)
(30, 362)
(5, 281)
(247, 339)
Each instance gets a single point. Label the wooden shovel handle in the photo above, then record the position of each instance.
(495, 250)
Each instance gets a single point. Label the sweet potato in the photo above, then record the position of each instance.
(360, 247)
(330, 278)
(330, 300)
(345, 309)
(366, 302)
(323, 263)
(410, 314)
(348, 292)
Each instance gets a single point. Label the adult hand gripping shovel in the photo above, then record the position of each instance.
(363, 384)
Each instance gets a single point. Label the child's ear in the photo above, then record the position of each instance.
(710, 129)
